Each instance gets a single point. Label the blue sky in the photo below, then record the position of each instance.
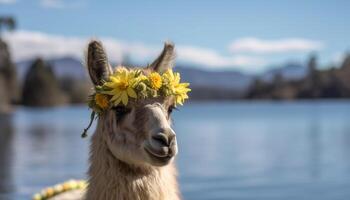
(248, 35)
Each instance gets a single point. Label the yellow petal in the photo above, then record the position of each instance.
(117, 102)
(131, 93)
(113, 79)
(179, 100)
(116, 96)
(112, 84)
(111, 92)
(184, 84)
(177, 78)
(124, 98)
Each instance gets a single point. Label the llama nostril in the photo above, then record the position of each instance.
(161, 138)
(171, 136)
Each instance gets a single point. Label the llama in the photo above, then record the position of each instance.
(133, 147)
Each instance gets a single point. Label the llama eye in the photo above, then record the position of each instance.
(170, 109)
(121, 110)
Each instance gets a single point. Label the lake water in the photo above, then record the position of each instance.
(240, 150)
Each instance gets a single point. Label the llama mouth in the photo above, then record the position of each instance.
(163, 159)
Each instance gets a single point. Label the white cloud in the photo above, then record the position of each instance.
(61, 3)
(27, 44)
(256, 45)
(7, 1)
(211, 58)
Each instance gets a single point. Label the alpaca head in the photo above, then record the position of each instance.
(139, 133)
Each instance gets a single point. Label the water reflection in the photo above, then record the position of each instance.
(265, 151)
(6, 156)
(314, 138)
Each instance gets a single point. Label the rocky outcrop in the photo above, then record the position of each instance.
(8, 79)
(8, 72)
(4, 99)
(41, 88)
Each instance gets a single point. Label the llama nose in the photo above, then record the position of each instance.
(164, 137)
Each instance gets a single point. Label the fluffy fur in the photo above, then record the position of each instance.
(111, 178)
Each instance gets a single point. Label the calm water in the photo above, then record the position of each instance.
(236, 150)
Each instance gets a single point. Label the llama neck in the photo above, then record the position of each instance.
(110, 178)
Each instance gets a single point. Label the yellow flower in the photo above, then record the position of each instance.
(131, 83)
(50, 192)
(155, 80)
(179, 90)
(37, 197)
(101, 101)
(121, 85)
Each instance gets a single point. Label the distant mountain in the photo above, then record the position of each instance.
(233, 80)
(289, 71)
(237, 80)
(215, 79)
(62, 67)
(68, 66)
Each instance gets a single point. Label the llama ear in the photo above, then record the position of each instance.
(97, 63)
(166, 60)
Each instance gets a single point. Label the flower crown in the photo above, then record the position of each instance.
(126, 85)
